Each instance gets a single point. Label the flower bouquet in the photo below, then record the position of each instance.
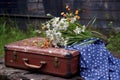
(65, 30)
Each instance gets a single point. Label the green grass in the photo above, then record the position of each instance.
(9, 34)
(111, 37)
(114, 43)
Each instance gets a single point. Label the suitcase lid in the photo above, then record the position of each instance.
(30, 45)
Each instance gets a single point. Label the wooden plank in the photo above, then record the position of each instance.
(101, 23)
(115, 15)
(100, 0)
(32, 1)
(101, 6)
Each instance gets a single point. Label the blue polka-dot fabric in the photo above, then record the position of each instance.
(96, 62)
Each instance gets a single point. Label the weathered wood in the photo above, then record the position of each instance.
(103, 15)
(7, 73)
(103, 10)
(103, 0)
(102, 5)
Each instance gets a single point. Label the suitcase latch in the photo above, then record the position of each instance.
(15, 56)
(56, 62)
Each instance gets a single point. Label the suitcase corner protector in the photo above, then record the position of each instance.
(5, 47)
(69, 56)
(6, 65)
(69, 75)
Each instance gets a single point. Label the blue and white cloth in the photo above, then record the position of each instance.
(96, 62)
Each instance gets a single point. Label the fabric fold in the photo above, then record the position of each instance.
(96, 62)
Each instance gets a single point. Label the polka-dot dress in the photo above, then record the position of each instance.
(96, 62)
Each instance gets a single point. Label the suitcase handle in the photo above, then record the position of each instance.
(25, 60)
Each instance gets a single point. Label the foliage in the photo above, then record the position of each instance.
(114, 43)
(9, 33)
(66, 30)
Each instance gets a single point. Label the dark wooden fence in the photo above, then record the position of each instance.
(106, 12)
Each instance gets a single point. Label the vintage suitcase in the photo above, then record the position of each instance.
(27, 54)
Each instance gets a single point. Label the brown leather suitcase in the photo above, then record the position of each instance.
(27, 54)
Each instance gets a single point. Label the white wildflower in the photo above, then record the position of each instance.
(83, 28)
(77, 30)
(65, 43)
(63, 24)
(55, 25)
(55, 20)
(48, 25)
(73, 19)
(48, 14)
(49, 34)
(58, 34)
(38, 31)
